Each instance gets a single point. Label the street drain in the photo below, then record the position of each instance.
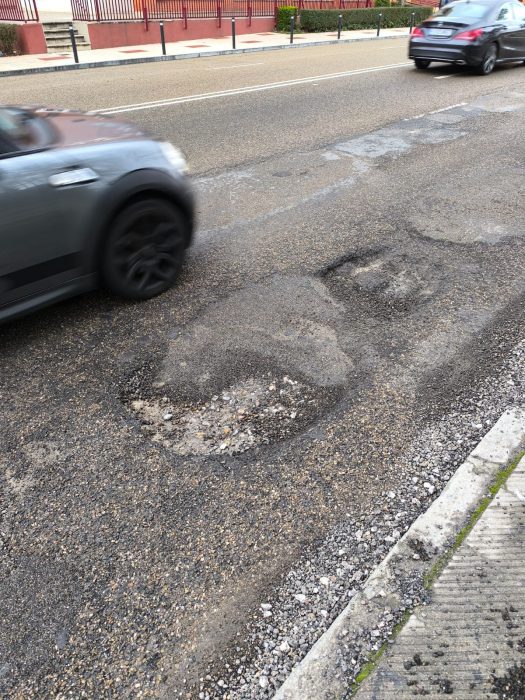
(250, 413)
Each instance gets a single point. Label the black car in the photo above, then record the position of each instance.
(479, 34)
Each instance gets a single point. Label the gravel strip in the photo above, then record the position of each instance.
(315, 592)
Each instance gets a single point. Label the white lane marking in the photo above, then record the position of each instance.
(434, 111)
(236, 65)
(242, 91)
(445, 109)
(444, 77)
(415, 116)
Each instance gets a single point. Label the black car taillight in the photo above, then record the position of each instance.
(470, 35)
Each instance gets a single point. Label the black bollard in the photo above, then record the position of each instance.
(412, 18)
(73, 42)
(233, 32)
(339, 26)
(162, 38)
(379, 16)
(292, 27)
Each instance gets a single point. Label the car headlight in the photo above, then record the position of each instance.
(174, 157)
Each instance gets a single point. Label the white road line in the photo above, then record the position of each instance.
(444, 77)
(434, 111)
(445, 109)
(236, 65)
(241, 91)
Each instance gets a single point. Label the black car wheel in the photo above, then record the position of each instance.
(421, 63)
(144, 250)
(489, 60)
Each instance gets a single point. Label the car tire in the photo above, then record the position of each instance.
(144, 250)
(421, 63)
(488, 62)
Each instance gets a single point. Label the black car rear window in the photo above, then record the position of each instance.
(463, 10)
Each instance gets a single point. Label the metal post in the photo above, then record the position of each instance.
(379, 16)
(412, 18)
(145, 16)
(233, 32)
(339, 26)
(292, 27)
(162, 38)
(73, 42)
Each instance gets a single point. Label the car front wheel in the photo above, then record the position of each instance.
(488, 61)
(421, 63)
(144, 250)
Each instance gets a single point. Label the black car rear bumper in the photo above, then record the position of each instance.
(449, 52)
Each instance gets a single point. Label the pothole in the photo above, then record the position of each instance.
(249, 413)
(389, 281)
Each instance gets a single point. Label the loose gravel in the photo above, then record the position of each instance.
(512, 685)
(314, 593)
(245, 415)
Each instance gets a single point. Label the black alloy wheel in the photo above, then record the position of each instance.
(144, 250)
(421, 63)
(489, 59)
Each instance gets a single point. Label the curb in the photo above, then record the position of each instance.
(184, 56)
(322, 674)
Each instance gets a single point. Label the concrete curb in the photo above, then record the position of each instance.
(322, 674)
(183, 56)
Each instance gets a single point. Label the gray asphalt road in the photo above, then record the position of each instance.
(374, 259)
(228, 131)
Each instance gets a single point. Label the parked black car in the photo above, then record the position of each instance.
(477, 33)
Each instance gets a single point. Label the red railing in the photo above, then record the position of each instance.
(111, 10)
(18, 11)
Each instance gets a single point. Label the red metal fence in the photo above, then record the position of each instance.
(111, 10)
(18, 11)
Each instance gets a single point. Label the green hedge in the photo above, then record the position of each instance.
(283, 18)
(8, 39)
(326, 20)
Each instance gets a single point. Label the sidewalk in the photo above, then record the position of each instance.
(469, 641)
(266, 41)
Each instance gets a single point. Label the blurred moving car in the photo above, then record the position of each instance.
(86, 200)
(475, 33)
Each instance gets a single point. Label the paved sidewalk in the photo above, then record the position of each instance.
(469, 641)
(39, 63)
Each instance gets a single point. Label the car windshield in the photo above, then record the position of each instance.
(21, 130)
(463, 10)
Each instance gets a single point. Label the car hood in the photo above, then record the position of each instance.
(82, 128)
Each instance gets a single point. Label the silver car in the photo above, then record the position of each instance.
(86, 200)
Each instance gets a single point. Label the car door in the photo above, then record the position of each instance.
(507, 25)
(518, 35)
(38, 216)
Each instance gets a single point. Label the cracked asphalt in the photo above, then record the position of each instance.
(374, 256)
